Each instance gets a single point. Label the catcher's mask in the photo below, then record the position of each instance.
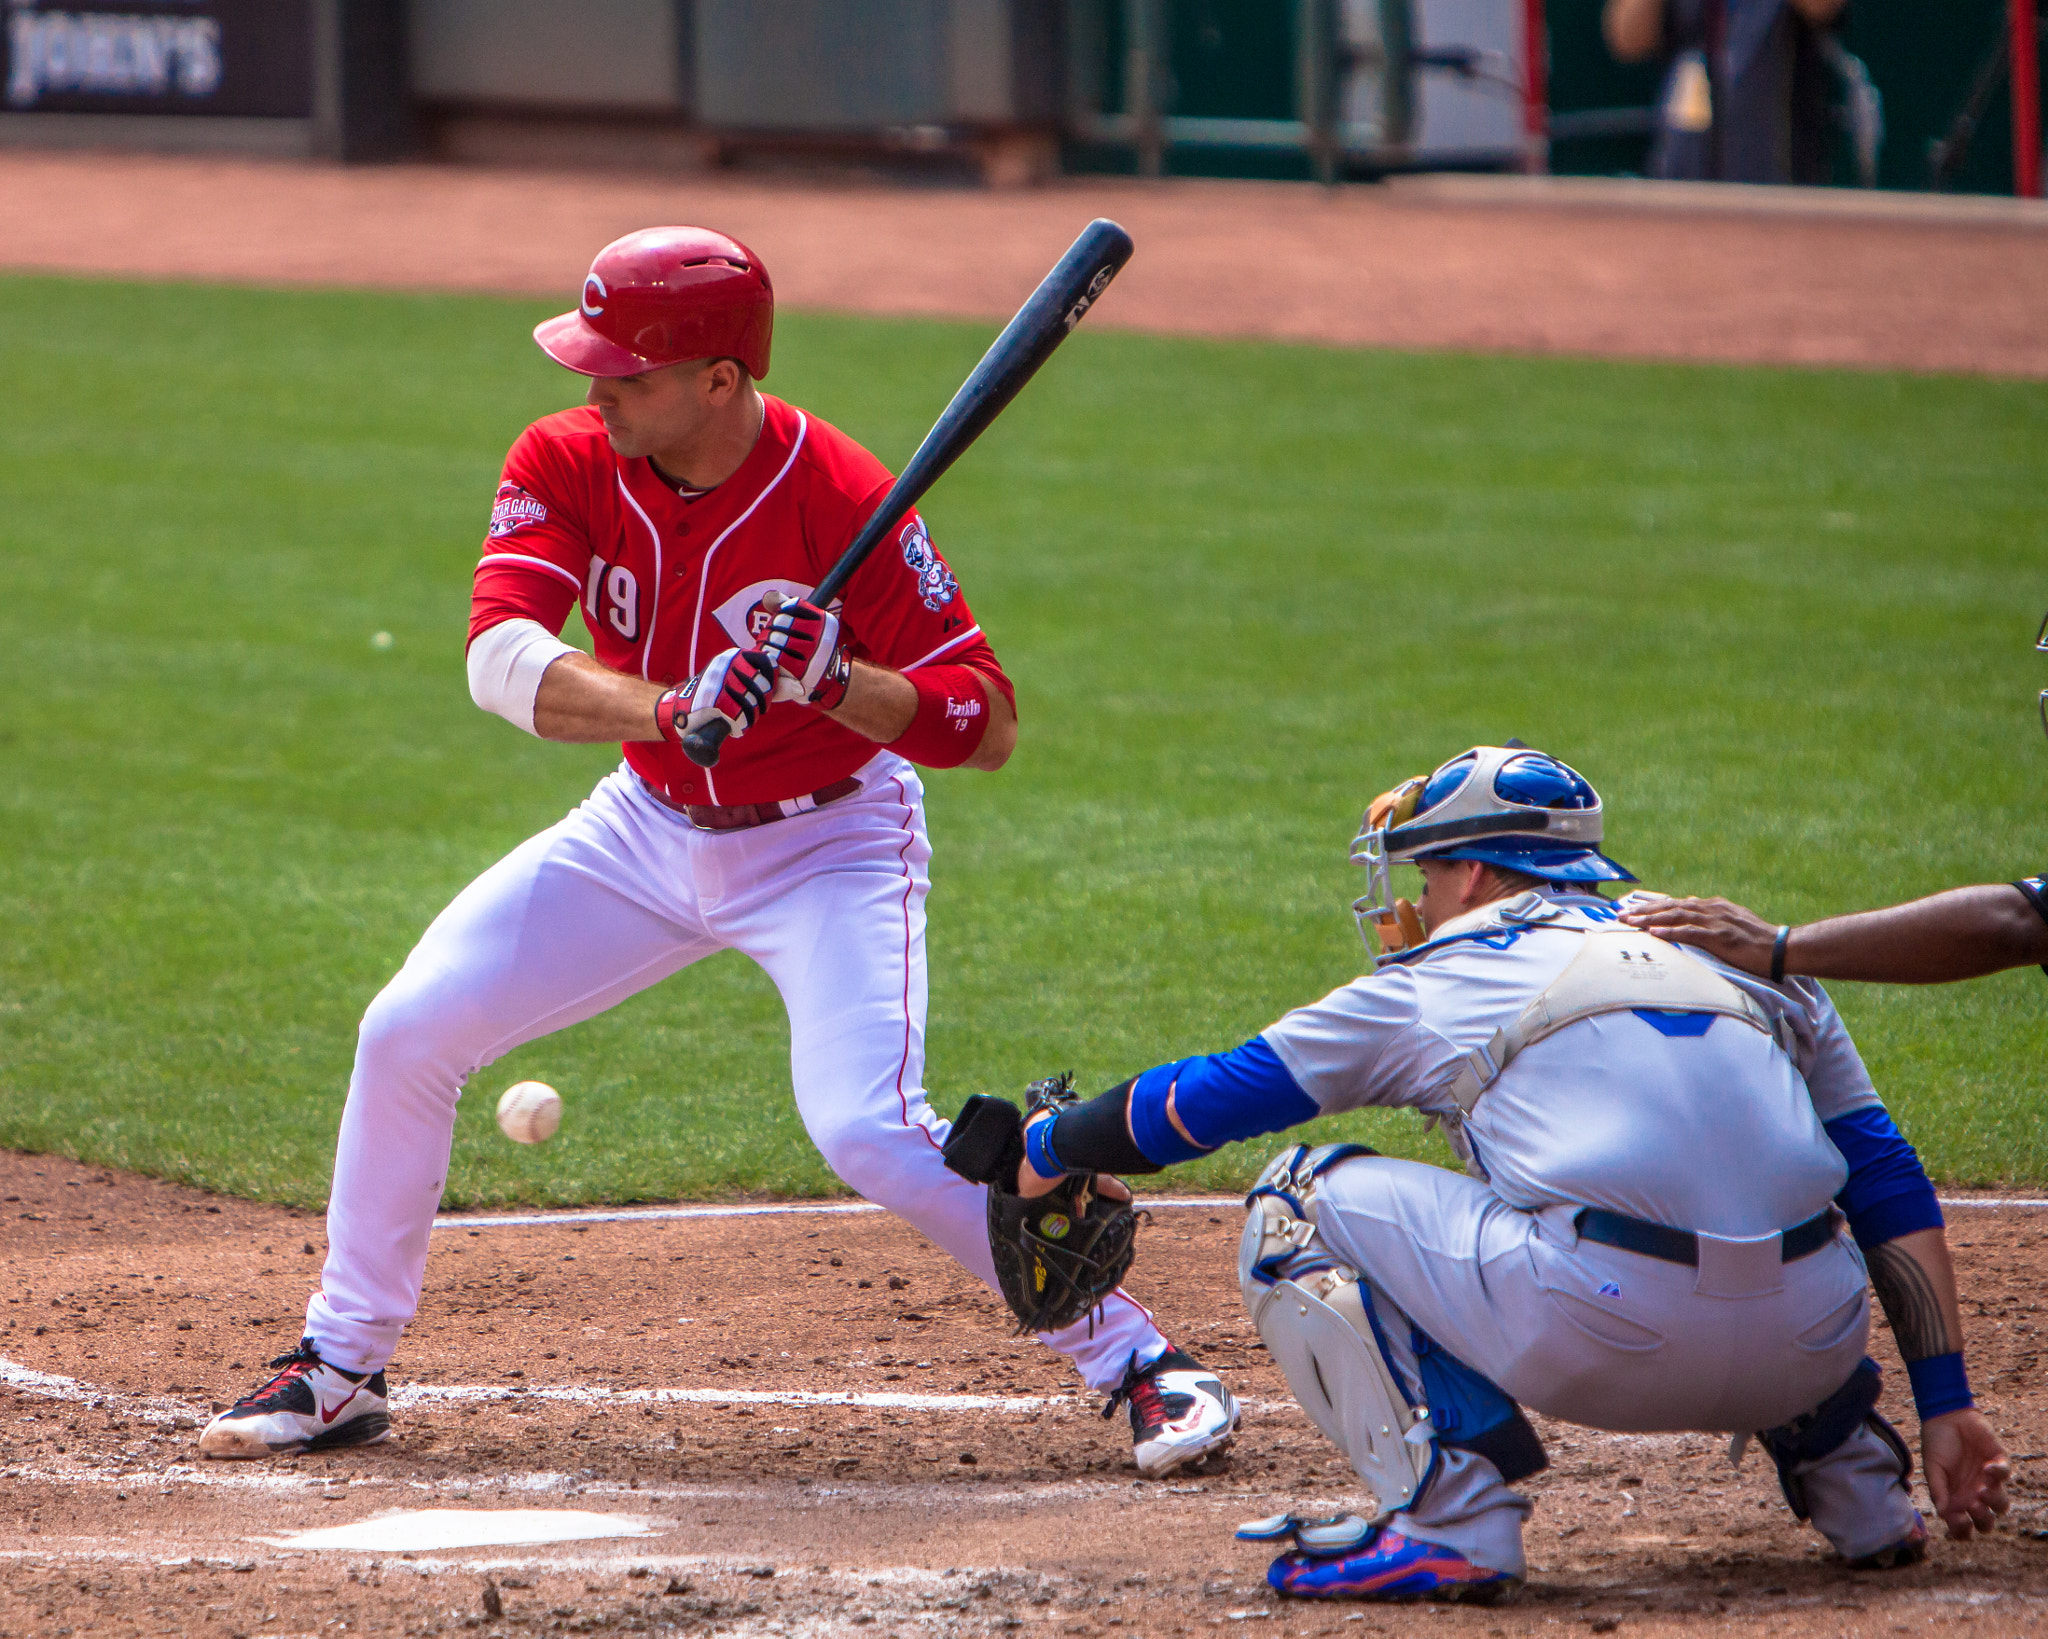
(1510, 806)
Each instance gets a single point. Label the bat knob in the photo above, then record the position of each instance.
(701, 744)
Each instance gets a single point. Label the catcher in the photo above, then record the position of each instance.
(1680, 1187)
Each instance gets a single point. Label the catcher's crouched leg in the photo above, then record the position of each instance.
(1435, 1441)
(1845, 1470)
(1311, 1313)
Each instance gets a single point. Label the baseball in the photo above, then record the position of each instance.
(529, 1112)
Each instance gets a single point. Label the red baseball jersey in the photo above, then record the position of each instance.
(668, 579)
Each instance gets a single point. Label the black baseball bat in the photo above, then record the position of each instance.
(1027, 341)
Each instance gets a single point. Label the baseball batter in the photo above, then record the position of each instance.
(688, 515)
(1680, 1186)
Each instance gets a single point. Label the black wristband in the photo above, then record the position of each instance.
(1096, 1136)
(1778, 953)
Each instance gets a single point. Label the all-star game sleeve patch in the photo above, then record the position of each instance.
(513, 510)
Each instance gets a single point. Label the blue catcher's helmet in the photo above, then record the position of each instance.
(1510, 806)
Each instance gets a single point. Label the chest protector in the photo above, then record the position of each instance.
(1617, 970)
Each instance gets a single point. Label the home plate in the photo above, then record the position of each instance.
(421, 1530)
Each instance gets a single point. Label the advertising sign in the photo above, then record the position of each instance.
(159, 57)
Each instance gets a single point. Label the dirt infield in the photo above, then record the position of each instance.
(676, 1376)
(1412, 266)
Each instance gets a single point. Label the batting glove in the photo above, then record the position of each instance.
(812, 667)
(734, 686)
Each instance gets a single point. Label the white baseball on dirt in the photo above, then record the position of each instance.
(529, 1112)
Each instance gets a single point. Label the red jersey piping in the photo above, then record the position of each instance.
(950, 643)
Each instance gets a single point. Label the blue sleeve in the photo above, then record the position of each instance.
(1218, 1097)
(1888, 1194)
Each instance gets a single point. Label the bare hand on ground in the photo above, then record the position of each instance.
(1966, 1467)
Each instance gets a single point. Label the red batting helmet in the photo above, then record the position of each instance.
(661, 296)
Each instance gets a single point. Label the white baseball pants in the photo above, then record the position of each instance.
(1603, 1338)
(620, 895)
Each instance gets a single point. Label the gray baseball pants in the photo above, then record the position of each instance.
(1608, 1339)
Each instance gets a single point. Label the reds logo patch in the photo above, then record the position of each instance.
(744, 616)
(935, 582)
(513, 510)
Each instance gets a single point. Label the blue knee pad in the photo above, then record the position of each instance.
(1471, 1412)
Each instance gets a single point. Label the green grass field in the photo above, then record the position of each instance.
(1782, 619)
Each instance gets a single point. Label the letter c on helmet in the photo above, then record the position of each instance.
(661, 296)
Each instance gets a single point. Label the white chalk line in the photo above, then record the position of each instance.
(820, 1209)
(1992, 1200)
(279, 1480)
(769, 1209)
(408, 1394)
(51, 1386)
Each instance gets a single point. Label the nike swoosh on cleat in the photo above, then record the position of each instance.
(329, 1413)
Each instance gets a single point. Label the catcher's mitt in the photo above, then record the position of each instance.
(1057, 1255)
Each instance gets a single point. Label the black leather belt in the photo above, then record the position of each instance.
(1618, 1229)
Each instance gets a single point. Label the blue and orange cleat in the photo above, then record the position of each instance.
(1345, 1557)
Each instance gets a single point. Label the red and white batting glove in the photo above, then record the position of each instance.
(812, 666)
(734, 686)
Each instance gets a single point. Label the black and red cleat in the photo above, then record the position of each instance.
(1180, 1412)
(307, 1406)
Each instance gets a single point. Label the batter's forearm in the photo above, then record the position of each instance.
(584, 702)
(1961, 934)
(1915, 1279)
(880, 704)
